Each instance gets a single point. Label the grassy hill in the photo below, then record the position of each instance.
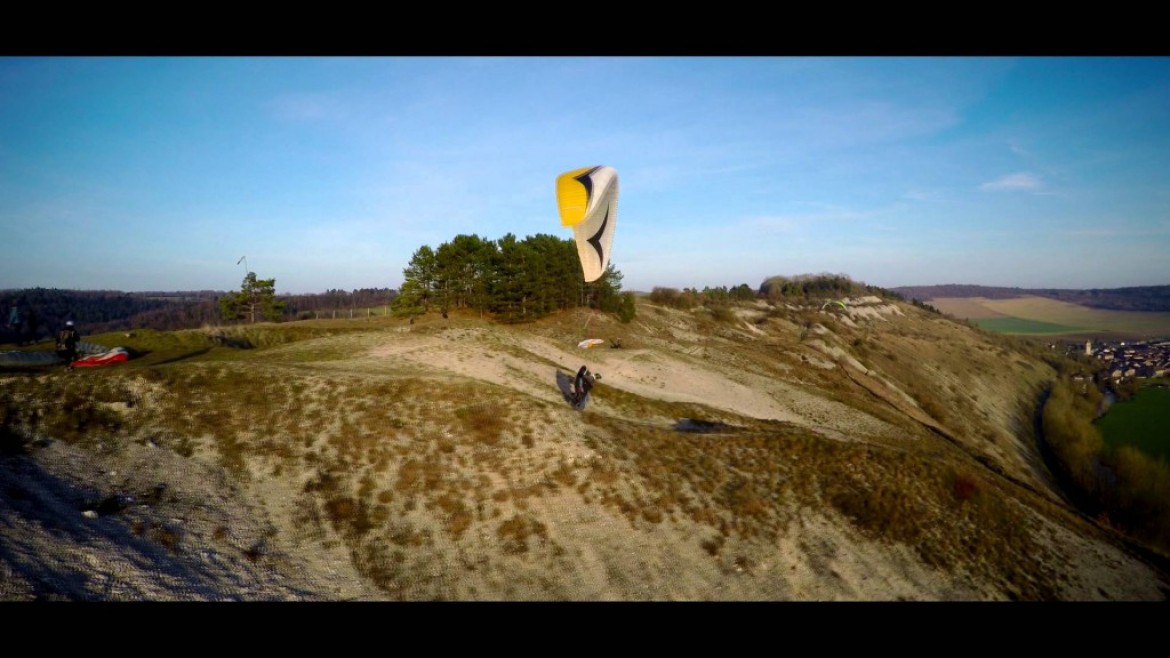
(754, 452)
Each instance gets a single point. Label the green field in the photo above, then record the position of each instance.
(1043, 316)
(1143, 422)
(1023, 326)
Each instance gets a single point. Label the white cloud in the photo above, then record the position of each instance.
(305, 107)
(1020, 151)
(1093, 233)
(777, 223)
(921, 195)
(1114, 229)
(1019, 182)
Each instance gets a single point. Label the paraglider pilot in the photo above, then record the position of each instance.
(67, 340)
(583, 383)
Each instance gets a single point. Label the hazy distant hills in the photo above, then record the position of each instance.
(100, 311)
(1140, 298)
(104, 310)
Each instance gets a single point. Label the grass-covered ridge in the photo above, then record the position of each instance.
(442, 457)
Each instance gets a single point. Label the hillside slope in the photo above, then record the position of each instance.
(780, 453)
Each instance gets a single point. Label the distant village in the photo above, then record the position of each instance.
(1128, 360)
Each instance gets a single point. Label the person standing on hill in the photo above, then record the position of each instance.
(582, 384)
(15, 319)
(33, 322)
(67, 340)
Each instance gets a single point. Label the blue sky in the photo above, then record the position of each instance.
(160, 173)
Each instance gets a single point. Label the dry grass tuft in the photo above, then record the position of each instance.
(514, 533)
(486, 423)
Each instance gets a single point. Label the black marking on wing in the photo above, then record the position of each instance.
(586, 179)
(596, 239)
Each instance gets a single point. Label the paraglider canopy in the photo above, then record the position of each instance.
(590, 342)
(587, 200)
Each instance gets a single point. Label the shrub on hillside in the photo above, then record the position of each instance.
(673, 298)
(1124, 486)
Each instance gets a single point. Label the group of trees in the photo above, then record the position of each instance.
(801, 287)
(256, 299)
(1118, 484)
(316, 304)
(102, 311)
(816, 286)
(688, 298)
(95, 310)
(513, 280)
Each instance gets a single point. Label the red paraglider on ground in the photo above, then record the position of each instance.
(116, 355)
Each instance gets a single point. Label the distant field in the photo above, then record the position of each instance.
(1141, 422)
(1040, 315)
(1010, 325)
(968, 308)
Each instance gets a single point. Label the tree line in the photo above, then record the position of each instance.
(819, 286)
(510, 279)
(689, 298)
(104, 311)
(96, 310)
(1119, 485)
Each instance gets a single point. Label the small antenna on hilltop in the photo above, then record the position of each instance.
(244, 260)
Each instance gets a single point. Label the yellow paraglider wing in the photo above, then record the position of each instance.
(587, 200)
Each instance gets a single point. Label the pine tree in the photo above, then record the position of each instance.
(256, 298)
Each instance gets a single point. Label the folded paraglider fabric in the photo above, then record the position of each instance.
(116, 355)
